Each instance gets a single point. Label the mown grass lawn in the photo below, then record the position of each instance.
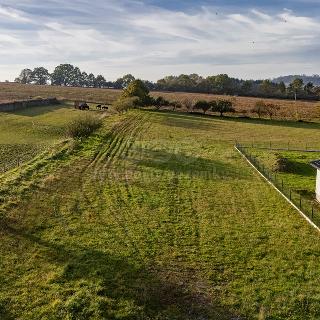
(156, 216)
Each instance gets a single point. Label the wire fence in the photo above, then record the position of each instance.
(309, 207)
(283, 146)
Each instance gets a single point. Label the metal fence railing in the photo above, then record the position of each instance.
(310, 208)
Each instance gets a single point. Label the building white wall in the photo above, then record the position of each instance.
(318, 185)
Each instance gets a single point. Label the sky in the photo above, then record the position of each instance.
(154, 38)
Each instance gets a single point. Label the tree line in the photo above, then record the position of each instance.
(69, 75)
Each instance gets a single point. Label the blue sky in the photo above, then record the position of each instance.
(154, 38)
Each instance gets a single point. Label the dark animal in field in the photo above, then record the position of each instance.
(84, 106)
(105, 107)
(81, 105)
(99, 106)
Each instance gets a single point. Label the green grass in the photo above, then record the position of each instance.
(156, 216)
(298, 174)
(26, 133)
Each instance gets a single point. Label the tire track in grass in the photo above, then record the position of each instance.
(110, 157)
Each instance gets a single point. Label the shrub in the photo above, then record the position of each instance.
(202, 105)
(83, 126)
(161, 102)
(188, 103)
(175, 105)
(222, 106)
(260, 108)
(124, 104)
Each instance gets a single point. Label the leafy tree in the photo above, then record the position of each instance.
(25, 76)
(202, 105)
(124, 82)
(91, 80)
(282, 87)
(100, 81)
(63, 75)
(267, 87)
(309, 88)
(223, 106)
(76, 77)
(295, 87)
(40, 76)
(84, 79)
(138, 89)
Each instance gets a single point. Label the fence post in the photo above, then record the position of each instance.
(300, 202)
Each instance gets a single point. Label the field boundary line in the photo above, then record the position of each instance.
(283, 195)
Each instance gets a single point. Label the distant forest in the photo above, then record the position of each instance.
(315, 79)
(286, 87)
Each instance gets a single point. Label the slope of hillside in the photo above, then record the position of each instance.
(156, 216)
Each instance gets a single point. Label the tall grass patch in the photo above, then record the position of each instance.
(83, 126)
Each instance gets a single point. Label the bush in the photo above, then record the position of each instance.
(161, 102)
(202, 105)
(222, 106)
(260, 108)
(124, 104)
(83, 126)
(137, 89)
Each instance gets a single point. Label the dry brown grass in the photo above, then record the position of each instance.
(289, 109)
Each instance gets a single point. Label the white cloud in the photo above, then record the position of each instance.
(128, 36)
(13, 14)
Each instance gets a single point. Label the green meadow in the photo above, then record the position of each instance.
(154, 216)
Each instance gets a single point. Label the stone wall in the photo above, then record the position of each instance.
(17, 105)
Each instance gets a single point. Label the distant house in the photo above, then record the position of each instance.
(316, 165)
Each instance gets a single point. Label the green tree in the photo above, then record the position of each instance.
(100, 81)
(282, 87)
(91, 80)
(202, 105)
(25, 76)
(309, 88)
(222, 106)
(124, 82)
(295, 87)
(138, 89)
(63, 75)
(40, 76)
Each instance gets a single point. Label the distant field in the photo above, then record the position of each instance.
(156, 216)
(26, 133)
(301, 110)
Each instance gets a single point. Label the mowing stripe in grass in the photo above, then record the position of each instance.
(301, 213)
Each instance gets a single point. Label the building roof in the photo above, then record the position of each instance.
(316, 164)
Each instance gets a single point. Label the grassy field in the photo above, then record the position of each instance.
(26, 133)
(289, 109)
(155, 216)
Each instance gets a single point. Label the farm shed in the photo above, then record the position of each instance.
(316, 165)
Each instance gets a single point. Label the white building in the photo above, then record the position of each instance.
(316, 164)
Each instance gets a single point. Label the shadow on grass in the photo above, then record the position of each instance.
(185, 164)
(39, 110)
(208, 117)
(100, 285)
